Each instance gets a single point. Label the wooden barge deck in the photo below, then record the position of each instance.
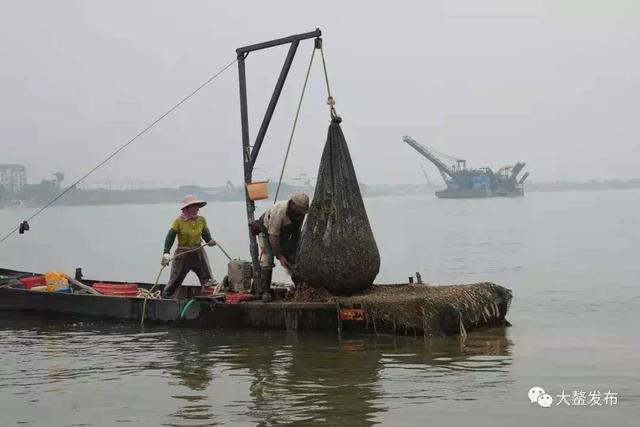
(361, 314)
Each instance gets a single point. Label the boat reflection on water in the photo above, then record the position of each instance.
(181, 376)
(317, 378)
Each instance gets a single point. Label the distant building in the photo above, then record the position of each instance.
(13, 177)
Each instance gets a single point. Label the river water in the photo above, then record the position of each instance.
(571, 259)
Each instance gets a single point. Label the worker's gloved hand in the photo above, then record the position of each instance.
(211, 242)
(255, 227)
(284, 262)
(166, 258)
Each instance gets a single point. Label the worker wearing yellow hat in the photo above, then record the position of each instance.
(190, 229)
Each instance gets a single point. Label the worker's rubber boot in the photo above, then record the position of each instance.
(265, 275)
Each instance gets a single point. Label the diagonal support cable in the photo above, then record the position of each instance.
(293, 128)
(138, 135)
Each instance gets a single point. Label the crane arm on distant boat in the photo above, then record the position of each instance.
(516, 170)
(525, 176)
(444, 169)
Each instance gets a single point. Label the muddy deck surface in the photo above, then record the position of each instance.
(431, 310)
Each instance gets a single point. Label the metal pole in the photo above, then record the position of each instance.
(250, 156)
(246, 160)
(278, 42)
(274, 100)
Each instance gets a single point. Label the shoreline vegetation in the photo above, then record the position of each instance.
(36, 195)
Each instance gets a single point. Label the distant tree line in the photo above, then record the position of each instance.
(47, 190)
(42, 193)
(609, 184)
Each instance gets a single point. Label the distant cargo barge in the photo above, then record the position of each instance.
(463, 183)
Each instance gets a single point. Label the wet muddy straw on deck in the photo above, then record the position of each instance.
(428, 310)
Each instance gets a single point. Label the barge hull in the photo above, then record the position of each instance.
(348, 315)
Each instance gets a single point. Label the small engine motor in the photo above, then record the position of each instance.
(239, 276)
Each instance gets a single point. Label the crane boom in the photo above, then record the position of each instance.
(463, 182)
(516, 170)
(444, 169)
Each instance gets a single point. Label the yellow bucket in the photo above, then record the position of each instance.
(258, 190)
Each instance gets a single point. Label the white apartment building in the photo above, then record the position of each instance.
(13, 177)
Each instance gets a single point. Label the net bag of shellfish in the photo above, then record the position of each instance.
(337, 250)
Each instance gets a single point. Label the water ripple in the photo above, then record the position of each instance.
(249, 377)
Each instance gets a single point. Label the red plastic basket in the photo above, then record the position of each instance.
(236, 298)
(31, 281)
(119, 289)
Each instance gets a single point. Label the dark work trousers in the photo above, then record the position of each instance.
(196, 261)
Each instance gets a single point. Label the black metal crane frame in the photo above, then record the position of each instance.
(250, 152)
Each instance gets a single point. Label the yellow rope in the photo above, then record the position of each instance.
(146, 294)
(330, 101)
(146, 297)
(152, 292)
(295, 122)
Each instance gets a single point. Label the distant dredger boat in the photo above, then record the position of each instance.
(463, 183)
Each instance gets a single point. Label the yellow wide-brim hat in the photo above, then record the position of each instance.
(190, 200)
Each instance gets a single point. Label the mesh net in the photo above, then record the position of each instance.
(337, 250)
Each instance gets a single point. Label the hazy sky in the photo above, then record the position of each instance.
(552, 83)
